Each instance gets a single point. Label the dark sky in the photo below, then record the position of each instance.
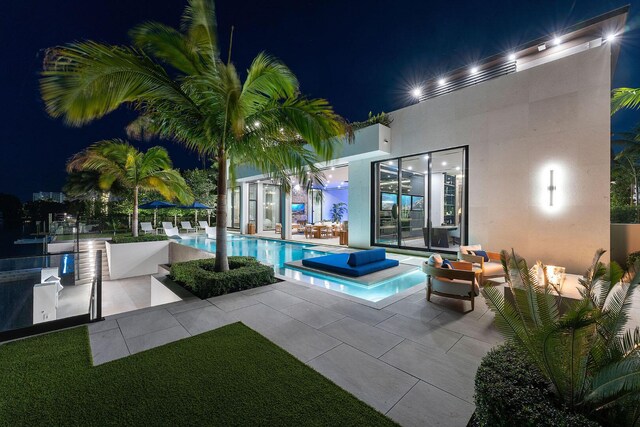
(361, 55)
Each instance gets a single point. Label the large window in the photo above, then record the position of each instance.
(271, 201)
(420, 201)
(233, 207)
(253, 203)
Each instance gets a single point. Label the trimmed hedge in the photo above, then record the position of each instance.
(511, 391)
(199, 276)
(625, 215)
(142, 238)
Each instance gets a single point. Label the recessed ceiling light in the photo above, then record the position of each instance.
(512, 57)
(441, 81)
(457, 168)
(416, 92)
(444, 163)
(410, 168)
(557, 41)
(426, 157)
(542, 47)
(389, 162)
(474, 70)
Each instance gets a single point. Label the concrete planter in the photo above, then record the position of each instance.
(136, 259)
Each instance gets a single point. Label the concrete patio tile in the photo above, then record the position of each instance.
(259, 290)
(233, 301)
(321, 298)
(369, 339)
(260, 317)
(188, 305)
(107, 346)
(426, 405)
(156, 339)
(420, 310)
(147, 322)
(204, 319)
(453, 373)
(301, 340)
(371, 380)
(420, 332)
(311, 314)
(277, 299)
(294, 289)
(472, 347)
(368, 315)
(101, 326)
(481, 329)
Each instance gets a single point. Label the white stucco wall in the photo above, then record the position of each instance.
(136, 259)
(518, 126)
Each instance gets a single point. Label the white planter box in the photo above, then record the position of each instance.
(136, 259)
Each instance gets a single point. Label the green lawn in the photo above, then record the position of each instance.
(229, 376)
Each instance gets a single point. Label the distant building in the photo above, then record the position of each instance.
(49, 196)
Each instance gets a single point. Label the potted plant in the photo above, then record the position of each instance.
(337, 211)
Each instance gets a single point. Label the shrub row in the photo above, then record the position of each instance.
(143, 238)
(200, 278)
(511, 391)
(625, 215)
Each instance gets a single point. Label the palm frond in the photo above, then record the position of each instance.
(615, 382)
(199, 24)
(624, 97)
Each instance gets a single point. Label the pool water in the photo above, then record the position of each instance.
(278, 253)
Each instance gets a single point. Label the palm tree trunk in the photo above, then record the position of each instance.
(222, 262)
(134, 225)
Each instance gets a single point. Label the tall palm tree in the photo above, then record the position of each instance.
(185, 92)
(121, 164)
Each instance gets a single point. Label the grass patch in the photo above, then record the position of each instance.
(229, 376)
(199, 277)
(138, 239)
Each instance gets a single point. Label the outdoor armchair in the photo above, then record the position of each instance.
(458, 282)
(490, 268)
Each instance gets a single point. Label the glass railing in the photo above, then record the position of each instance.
(47, 292)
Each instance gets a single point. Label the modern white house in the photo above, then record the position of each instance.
(509, 152)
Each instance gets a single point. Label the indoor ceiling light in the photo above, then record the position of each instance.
(457, 168)
(426, 157)
(389, 162)
(425, 172)
(410, 168)
(444, 163)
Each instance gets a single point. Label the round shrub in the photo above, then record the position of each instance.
(200, 278)
(511, 391)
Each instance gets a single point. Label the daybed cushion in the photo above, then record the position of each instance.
(366, 257)
(453, 286)
(337, 263)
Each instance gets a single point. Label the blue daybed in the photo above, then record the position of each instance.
(355, 264)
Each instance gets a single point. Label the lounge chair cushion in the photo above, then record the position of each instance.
(453, 286)
(366, 257)
(337, 263)
(447, 264)
(483, 254)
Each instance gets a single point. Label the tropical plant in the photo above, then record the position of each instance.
(119, 162)
(591, 361)
(185, 92)
(625, 98)
(381, 118)
(337, 211)
(203, 184)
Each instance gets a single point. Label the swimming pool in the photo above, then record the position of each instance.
(278, 253)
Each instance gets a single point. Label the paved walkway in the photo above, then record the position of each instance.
(412, 360)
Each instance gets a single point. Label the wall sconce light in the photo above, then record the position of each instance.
(551, 187)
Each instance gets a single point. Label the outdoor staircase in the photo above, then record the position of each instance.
(85, 265)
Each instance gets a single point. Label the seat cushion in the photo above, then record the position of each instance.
(366, 257)
(337, 263)
(493, 269)
(468, 248)
(483, 254)
(453, 286)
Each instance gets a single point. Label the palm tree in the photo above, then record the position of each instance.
(185, 92)
(119, 163)
(584, 348)
(625, 97)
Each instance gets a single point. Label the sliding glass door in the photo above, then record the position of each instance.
(420, 201)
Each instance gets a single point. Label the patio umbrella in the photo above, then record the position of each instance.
(195, 206)
(156, 204)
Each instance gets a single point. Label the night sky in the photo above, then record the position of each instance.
(361, 55)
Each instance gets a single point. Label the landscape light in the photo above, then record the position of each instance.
(512, 57)
(441, 81)
(474, 70)
(557, 41)
(416, 92)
